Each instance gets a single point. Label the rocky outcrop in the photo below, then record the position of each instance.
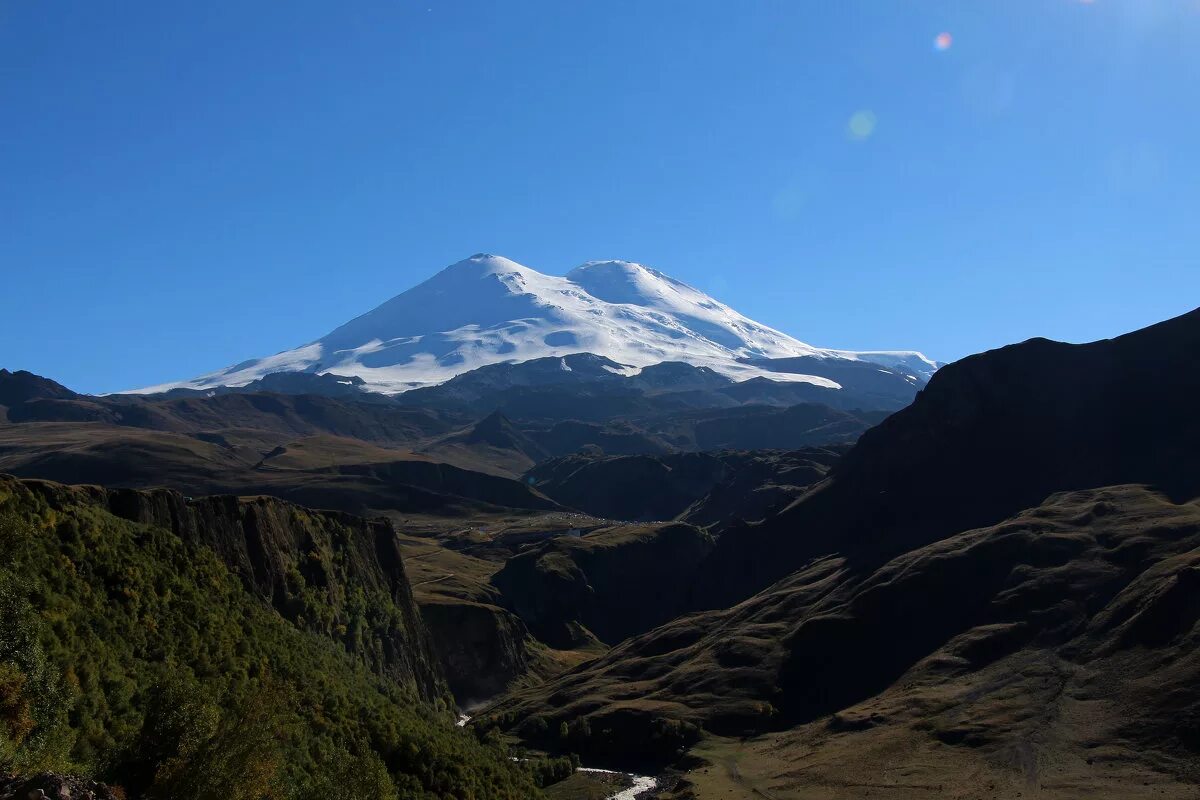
(52, 786)
(333, 573)
(483, 648)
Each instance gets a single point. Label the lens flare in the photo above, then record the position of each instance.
(943, 41)
(861, 125)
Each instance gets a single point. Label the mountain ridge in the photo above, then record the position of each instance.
(488, 309)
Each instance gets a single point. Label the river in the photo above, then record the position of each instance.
(641, 783)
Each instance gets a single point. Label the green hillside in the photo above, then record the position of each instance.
(132, 655)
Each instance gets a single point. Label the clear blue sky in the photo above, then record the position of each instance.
(186, 185)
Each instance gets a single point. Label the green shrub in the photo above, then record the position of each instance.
(33, 703)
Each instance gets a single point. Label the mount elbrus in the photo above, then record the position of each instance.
(487, 309)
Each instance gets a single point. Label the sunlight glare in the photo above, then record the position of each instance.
(861, 125)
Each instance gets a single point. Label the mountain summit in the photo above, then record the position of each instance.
(488, 309)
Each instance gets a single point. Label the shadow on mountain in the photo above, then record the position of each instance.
(1007, 566)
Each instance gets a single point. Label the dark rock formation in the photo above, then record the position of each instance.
(483, 648)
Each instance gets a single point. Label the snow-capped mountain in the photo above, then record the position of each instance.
(488, 309)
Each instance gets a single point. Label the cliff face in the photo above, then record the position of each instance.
(483, 647)
(327, 572)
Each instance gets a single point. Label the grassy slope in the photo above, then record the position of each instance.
(322, 470)
(128, 654)
(1055, 652)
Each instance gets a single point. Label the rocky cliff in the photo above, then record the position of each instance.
(483, 647)
(325, 571)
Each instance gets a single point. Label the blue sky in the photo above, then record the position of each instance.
(186, 185)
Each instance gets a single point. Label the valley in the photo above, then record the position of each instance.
(624, 581)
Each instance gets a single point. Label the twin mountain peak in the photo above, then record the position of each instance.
(488, 309)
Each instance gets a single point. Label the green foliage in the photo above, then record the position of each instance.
(353, 778)
(548, 771)
(33, 703)
(130, 655)
(672, 734)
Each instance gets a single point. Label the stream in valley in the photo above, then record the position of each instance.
(641, 783)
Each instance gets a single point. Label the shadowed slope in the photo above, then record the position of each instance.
(991, 434)
(877, 607)
(985, 642)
